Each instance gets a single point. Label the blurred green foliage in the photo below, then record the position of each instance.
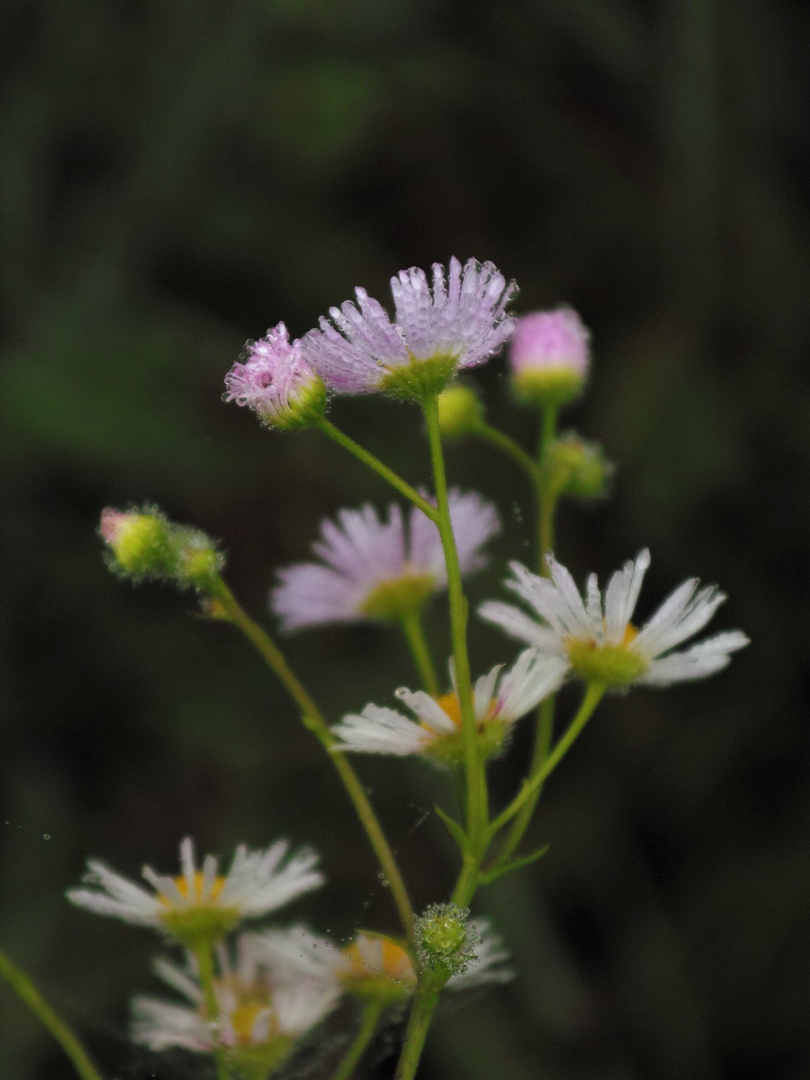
(178, 176)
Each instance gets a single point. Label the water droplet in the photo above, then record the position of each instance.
(401, 691)
(46, 836)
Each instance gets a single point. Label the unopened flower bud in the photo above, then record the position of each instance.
(138, 542)
(579, 468)
(445, 941)
(273, 379)
(198, 560)
(145, 544)
(460, 411)
(549, 357)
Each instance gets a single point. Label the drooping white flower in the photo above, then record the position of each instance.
(202, 902)
(260, 1015)
(380, 569)
(595, 637)
(499, 700)
(458, 322)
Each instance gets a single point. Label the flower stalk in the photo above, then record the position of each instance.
(477, 812)
(368, 1025)
(28, 993)
(374, 463)
(226, 606)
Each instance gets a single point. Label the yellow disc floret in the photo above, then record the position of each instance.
(613, 665)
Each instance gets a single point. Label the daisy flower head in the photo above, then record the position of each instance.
(380, 569)
(457, 321)
(202, 904)
(549, 357)
(594, 637)
(273, 379)
(499, 700)
(260, 1017)
(375, 966)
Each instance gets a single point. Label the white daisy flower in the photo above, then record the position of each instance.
(595, 637)
(377, 569)
(202, 902)
(374, 965)
(260, 1017)
(499, 700)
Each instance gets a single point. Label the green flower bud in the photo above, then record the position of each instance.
(444, 941)
(144, 544)
(460, 411)
(138, 541)
(579, 468)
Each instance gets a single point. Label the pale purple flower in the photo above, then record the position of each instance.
(594, 634)
(276, 382)
(498, 701)
(550, 339)
(373, 568)
(458, 323)
(549, 356)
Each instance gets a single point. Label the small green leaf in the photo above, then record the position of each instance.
(453, 828)
(488, 876)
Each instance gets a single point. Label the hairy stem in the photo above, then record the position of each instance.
(396, 481)
(516, 452)
(415, 635)
(28, 993)
(477, 812)
(368, 1025)
(418, 1024)
(227, 607)
(593, 695)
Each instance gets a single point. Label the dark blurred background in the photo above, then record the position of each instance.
(178, 176)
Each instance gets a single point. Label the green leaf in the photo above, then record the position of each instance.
(454, 829)
(488, 876)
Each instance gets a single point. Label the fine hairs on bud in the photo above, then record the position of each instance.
(445, 940)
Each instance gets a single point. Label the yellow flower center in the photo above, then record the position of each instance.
(613, 665)
(182, 888)
(244, 1017)
(399, 597)
(394, 963)
(450, 705)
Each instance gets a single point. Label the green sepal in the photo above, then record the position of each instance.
(488, 876)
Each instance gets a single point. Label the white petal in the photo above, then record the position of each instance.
(428, 710)
(519, 625)
(380, 731)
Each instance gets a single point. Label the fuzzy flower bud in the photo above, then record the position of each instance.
(460, 411)
(578, 467)
(138, 542)
(275, 381)
(549, 357)
(144, 544)
(445, 942)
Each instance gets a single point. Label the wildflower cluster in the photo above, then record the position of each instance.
(249, 998)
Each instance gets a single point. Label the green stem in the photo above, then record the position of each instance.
(418, 1024)
(477, 813)
(204, 955)
(467, 882)
(227, 607)
(28, 993)
(547, 497)
(415, 634)
(593, 696)
(396, 481)
(497, 438)
(542, 746)
(368, 1026)
(546, 507)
